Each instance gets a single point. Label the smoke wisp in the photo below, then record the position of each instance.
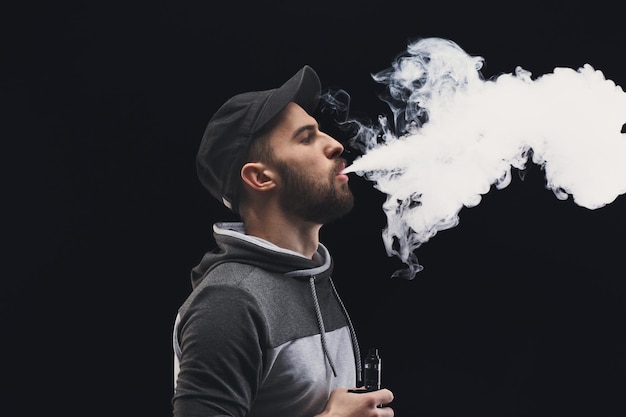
(454, 135)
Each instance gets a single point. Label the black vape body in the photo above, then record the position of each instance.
(372, 367)
(372, 370)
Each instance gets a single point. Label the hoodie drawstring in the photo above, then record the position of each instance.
(320, 322)
(355, 342)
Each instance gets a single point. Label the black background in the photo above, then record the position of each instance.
(519, 311)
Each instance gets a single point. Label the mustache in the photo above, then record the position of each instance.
(340, 165)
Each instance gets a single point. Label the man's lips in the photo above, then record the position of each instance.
(339, 172)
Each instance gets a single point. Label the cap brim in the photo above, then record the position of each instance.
(303, 89)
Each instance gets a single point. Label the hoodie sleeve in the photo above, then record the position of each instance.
(221, 336)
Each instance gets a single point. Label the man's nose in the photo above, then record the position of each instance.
(334, 148)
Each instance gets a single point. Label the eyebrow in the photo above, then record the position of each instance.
(301, 129)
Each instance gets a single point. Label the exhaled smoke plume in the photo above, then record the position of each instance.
(455, 134)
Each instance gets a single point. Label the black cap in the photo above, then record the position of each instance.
(230, 131)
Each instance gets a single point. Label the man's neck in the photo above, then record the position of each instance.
(298, 237)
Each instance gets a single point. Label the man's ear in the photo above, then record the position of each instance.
(258, 176)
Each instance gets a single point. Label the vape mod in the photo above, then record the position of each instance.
(372, 370)
(372, 366)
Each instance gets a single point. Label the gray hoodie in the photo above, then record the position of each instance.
(263, 333)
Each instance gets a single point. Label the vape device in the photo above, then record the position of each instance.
(372, 366)
(372, 370)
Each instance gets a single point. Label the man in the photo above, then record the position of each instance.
(264, 332)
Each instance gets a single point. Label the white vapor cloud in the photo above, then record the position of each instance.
(454, 135)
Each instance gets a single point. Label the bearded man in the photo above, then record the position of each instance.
(264, 332)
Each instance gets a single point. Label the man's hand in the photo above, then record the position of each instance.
(343, 403)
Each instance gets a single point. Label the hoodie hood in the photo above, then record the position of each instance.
(233, 245)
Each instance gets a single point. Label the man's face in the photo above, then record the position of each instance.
(308, 164)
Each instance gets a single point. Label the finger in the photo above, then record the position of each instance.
(384, 396)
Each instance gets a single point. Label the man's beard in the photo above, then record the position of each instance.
(312, 200)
